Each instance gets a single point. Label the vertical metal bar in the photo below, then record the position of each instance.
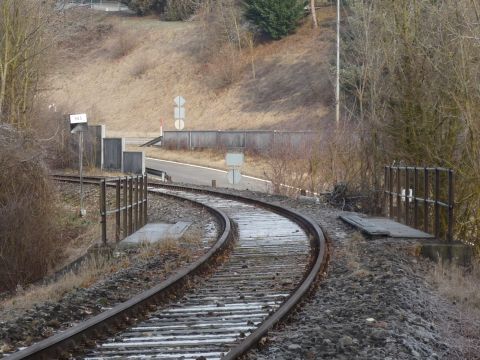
(80, 169)
(399, 197)
(437, 207)
(415, 196)
(103, 210)
(117, 211)
(390, 184)
(136, 204)
(145, 203)
(140, 202)
(130, 205)
(451, 201)
(385, 189)
(425, 200)
(125, 207)
(407, 198)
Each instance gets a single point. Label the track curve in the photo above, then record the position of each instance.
(228, 313)
(275, 262)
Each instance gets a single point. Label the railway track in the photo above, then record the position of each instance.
(273, 264)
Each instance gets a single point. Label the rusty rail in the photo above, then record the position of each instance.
(133, 208)
(401, 199)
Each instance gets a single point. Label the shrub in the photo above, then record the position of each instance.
(276, 18)
(27, 213)
(144, 7)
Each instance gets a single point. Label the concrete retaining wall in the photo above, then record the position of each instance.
(253, 140)
(134, 162)
(113, 153)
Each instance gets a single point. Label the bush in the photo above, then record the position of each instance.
(27, 242)
(276, 18)
(144, 7)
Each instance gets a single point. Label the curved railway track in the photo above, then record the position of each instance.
(273, 264)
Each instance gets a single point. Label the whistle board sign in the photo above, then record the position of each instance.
(78, 122)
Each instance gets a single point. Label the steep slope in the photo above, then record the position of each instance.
(128, 79)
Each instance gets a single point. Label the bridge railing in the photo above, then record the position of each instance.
(421, 197)
(129, 205)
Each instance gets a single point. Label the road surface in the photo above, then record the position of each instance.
(200, 175)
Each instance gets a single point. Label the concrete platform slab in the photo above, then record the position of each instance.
(152, 233)
(379, 226)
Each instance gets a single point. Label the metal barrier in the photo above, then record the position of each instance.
(131, 213)
(404, 202)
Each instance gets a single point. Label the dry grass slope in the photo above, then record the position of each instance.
(130, 88)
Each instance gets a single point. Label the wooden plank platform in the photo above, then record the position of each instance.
(383, 227)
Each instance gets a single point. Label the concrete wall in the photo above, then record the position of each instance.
(134, 162)
(113, 153)
(253, 140)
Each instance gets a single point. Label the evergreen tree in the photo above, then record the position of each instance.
(277, 18)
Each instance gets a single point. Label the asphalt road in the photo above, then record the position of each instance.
(199, 175)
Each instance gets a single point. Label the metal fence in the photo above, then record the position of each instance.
(252, 140)
(421, 196)
(129, 206)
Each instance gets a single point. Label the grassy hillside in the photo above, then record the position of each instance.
(125, 71)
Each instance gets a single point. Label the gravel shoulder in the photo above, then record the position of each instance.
(128, 273)
(376, 302)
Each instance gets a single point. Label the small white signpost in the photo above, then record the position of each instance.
(234, 162)
(78, 124)
(179, 112)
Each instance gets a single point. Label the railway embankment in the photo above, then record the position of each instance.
(380, 300)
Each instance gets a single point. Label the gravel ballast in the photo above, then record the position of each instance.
(20, 327)
(376, 302)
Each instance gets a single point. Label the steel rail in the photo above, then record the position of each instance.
(54, 345)
(316, 266)
(319, 264)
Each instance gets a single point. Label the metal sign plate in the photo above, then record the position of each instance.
(180, 101)
(234, 159)
(179, 124)
(78, 123)
(179, 112)
(234, 176)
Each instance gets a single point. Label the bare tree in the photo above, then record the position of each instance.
(314, 13)
(411, 80)
(22, 26)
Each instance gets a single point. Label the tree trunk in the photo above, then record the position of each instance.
(314, 13)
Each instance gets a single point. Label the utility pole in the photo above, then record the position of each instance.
(337, 90)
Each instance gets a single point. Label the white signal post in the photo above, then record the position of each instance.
(179, 112)
(78, 124)
(234, 161)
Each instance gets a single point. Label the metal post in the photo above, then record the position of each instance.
(390, 185)
(407, 198)
(415, 195)
(103, 210)
(136, 204)
(140, 202)
(145, 203)
(385, 188)
(437, 207)
(425, 200)
(125, 207)
(117, 212)
(130, 205)
(450, 205)
(399, 196)
(80, 168)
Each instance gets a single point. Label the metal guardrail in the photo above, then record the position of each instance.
(130, 208)
(417, 189)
